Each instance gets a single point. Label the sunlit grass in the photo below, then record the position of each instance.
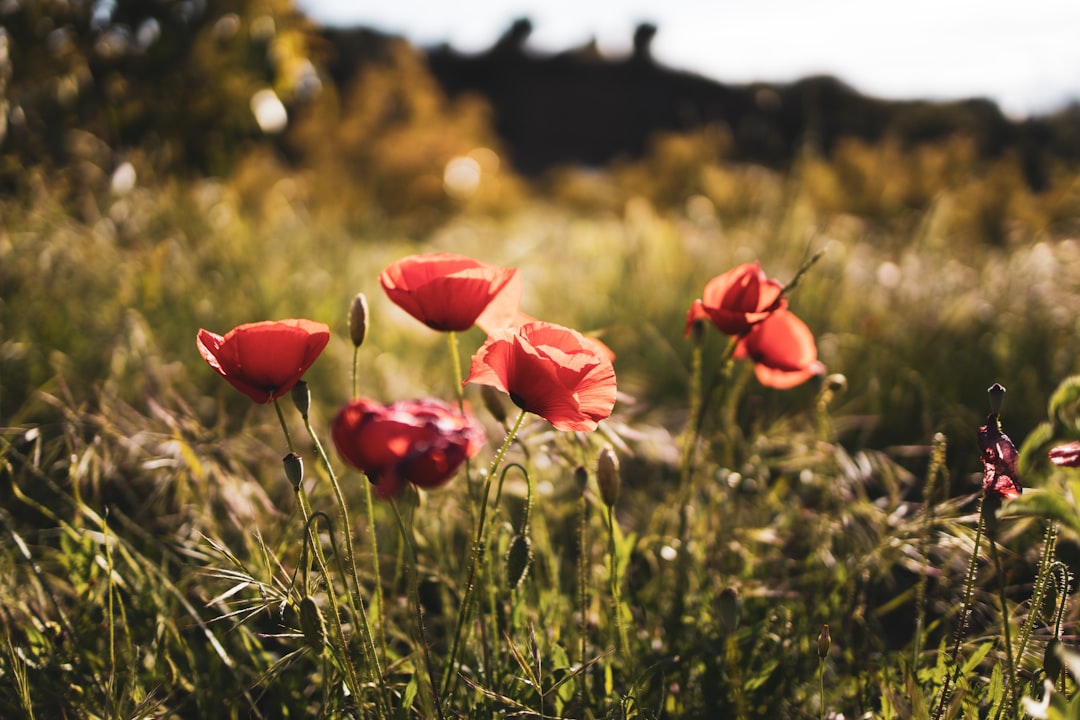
(151, 543)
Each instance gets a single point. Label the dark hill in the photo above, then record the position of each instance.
(578, 107)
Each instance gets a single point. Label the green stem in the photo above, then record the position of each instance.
(356, 372)
(821, 685)
(621, 641)
(356, 602)
(351, 678)
(414, 593)
(455, 359)
(1038, 595)
(1006, 625)
(475, 558)
(284, 426)
(965, 610)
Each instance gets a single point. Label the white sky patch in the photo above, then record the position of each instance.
(1025, 57)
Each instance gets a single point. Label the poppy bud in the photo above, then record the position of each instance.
(607, 476)
(358, 319)
(301, 397)
(294, 469)
(312, 624)
(1052, 664)
(493, 403)
(996, 393)
(518, 560)
(729, 607)
(824, 642)
(581, 477)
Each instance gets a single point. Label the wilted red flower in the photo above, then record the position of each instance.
(783, 350)
(550, 371)
(1067, 455)
(442, 290)
(264, 360)
(737, 300)
(999, 457)
(422, 442)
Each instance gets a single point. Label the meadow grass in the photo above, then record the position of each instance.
(154, 554)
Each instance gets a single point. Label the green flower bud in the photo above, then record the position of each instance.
(301, 397)
(581, 477)
(518, 560)
(824, 642)
(492, 399)
(294, 469)
(358, 319)
(607, 476)
(729, 608)
(312, 624)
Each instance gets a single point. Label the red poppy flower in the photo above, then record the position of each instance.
(999, 457)
(423, 442)
(783, 350)
(444, 291)
(550, 371)
(503, 312)
(264, 360)
(1067, 455)
(737, 300)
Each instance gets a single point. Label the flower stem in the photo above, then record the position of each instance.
(1010, 660)
(455, 360)
(1038, 595)
(414, 593)
(621, 641)
(475, 558)
(350, 558)
(965, 611)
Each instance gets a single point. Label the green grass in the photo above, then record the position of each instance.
(150, 543)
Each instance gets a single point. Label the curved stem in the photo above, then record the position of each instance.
(356, 602)
(475, 558)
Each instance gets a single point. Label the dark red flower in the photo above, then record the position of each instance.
(422, 442)
(264, 360)
(737, 300)
(550, 371)
(1067, 455)
(783, 350)
(999, 457)
(444, 291)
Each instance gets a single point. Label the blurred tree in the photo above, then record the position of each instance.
(83, 81)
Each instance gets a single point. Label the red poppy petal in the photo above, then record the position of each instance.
(785, 379)
(503, 310)
(782, 342)
(1067, 455)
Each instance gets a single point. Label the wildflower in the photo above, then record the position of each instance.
(550, 371)
(264, 360)
(783, 350)
(1067, 455)
(737, 300)
(999, 457)
(422, 442)
(446, 292)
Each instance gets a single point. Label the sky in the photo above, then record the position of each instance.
(1028, 62)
